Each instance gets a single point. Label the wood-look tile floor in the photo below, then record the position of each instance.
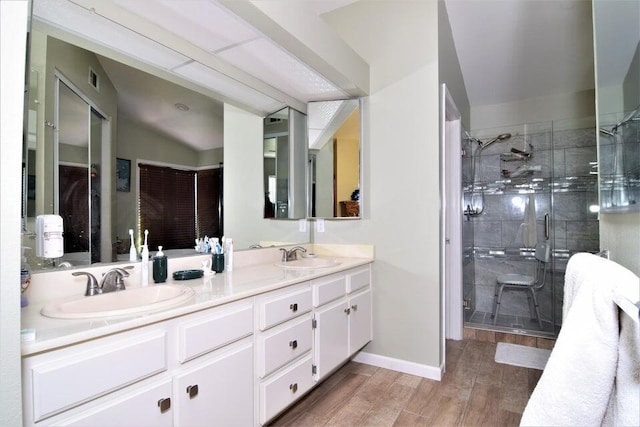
(475, 391)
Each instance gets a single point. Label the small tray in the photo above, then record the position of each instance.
(187, 274)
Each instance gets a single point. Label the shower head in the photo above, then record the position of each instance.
(607, 132)
(500, 137)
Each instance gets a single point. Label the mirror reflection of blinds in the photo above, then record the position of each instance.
(177, 216)
(209, 207)
(165, 209)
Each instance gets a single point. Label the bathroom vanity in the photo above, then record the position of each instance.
(246, 346)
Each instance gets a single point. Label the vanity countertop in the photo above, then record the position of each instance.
(210, 291)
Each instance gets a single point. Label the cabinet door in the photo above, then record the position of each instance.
(331, 337)
(141, 405)
(217, 392)
(359, 321)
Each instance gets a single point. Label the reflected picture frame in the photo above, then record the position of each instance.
(123, 175)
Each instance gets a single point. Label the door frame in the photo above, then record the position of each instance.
(451, 220)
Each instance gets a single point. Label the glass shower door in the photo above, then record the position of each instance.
(537, 185)
(511, 212)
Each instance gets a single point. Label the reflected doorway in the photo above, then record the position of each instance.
(78, 156)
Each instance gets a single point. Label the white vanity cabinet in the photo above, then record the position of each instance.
(236, 364)
(283, 340)
(192, 370)
(342, 318)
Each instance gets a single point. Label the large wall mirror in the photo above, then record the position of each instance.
(114, 144)
(334, 164)
(617, 46)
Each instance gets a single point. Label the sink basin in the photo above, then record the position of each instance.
(309, 263)
(119, 303)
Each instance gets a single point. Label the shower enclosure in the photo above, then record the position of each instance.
(524, 185)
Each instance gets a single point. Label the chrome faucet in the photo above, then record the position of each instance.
(112, 280)
(290, 255)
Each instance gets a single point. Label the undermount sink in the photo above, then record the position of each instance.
(130, 301)
(309, 263)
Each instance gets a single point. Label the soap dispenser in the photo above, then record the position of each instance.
(160, 266)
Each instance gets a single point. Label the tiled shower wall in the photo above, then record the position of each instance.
(564, 187)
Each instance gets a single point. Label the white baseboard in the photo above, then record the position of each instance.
(425, 371)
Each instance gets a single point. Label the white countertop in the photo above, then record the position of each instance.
(210, 291)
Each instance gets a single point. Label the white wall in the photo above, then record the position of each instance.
(449, 66)
(620, 234)
(243, 185)
(400, 188)
(534, 110)
(13, 28)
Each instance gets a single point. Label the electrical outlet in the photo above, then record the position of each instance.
(302, 225)
(320, 225)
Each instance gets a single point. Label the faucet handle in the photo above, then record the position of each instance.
(92, 284)
(112, 280)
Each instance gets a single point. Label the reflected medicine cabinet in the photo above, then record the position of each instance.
(284, 165)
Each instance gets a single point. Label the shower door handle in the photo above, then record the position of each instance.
(546, 226)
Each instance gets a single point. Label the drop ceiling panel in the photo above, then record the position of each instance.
(201, 22)
(83, 23)
(211, 79)
(264, 60)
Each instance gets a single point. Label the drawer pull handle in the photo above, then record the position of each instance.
(347, 310)
(294, 307)
(293, 344)
(293, 387)
(354, 307)
(192, 391)
(164, 404)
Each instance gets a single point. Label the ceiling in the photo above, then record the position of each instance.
(144, 98)
(519, 49)
(509, 50)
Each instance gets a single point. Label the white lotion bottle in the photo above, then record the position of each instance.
(229, 254)
(144, 265)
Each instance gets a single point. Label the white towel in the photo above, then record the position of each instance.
(583, 383)
(527, 234)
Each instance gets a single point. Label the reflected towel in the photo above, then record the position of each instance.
(527, 234)
(593, 375)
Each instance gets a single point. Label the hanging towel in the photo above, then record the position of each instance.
(592, 377)
(527, 234)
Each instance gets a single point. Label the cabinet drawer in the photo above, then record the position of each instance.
(93, 369)
(328, 289)
(211, 330)
(358, 279)
(284, 306)
(285, 388)
(139, 404)
(281, 345)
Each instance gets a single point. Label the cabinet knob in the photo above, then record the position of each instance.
(293, 344)
(293, 387)
(192, 391)
(294, 307)
(354, 307)
(164, 404)
(347, 310)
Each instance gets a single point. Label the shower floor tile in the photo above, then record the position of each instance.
(484, 319)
